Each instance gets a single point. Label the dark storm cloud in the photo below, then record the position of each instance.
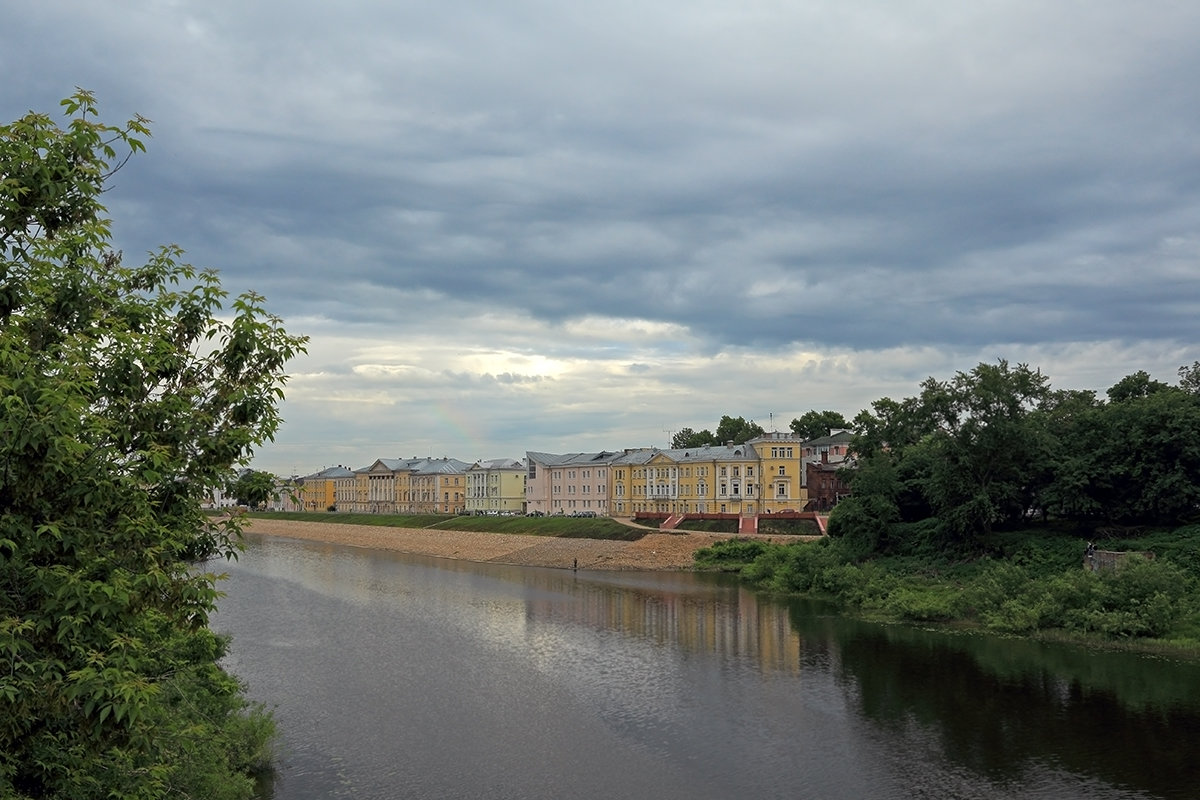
(877, 177)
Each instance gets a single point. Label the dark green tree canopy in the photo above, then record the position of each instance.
(996, 445)
(253, 488)
(737, 430)
(127, 395)
(688, 438)
(1189, 378)
(815, 424)
(1134, 386)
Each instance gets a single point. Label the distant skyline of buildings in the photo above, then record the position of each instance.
(773, 472)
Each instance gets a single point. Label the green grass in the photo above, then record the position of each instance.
(709, 525)
(562, 527)
(788, 527)
(1029, 582)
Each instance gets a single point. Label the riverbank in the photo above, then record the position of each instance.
(1029, 582)
(654, 551)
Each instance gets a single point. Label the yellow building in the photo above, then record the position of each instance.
(697, 480)
(318, 492)
(781, 472)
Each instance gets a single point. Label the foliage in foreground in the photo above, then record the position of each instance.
(1028, 582)
(127, 394)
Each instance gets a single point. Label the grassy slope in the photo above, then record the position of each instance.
(1027, 582)
(565, 527)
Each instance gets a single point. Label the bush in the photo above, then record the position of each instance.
(915, 605)
(731, 555)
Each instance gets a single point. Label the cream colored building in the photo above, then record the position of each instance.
(438, 486)
(496, 486)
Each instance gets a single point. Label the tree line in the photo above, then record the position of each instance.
(997, 446)
(739, 430)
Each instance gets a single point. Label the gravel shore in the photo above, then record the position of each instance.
(654, 551)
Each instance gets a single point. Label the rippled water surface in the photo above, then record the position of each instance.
(398, 676)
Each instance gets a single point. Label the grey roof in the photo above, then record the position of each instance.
(330, 472)
(572, 459)
(440, 465)
(841, 437)
(445, 465)
(690, 455)
(499, 463)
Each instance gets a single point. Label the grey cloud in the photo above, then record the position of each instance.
(938, 178)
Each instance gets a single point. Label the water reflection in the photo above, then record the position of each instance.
(1002, 707)
(406, 676)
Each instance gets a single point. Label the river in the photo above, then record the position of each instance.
(395, 676)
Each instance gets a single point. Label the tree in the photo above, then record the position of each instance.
(730, 429)
(1139, 384)
(1189, 378)
(1142, 458)
(253, 488)
(815, 424)
(127, 395)
(962, 449)
(984, 444)
(688, 438)
(736, 430)
(1063, 472)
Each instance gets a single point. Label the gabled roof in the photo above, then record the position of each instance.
(330, 472)
(499, 463)
(422, 465)
(690, 455)
(841, 437)
(444, 466)
(570, 459)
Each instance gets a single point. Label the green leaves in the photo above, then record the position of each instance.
(126, 398)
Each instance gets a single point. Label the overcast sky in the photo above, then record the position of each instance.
(520, 225)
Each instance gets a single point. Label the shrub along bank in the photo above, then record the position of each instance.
(1026, 582)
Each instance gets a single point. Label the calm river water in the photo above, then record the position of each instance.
(396, 676)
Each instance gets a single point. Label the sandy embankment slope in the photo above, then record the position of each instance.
(654, 551)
